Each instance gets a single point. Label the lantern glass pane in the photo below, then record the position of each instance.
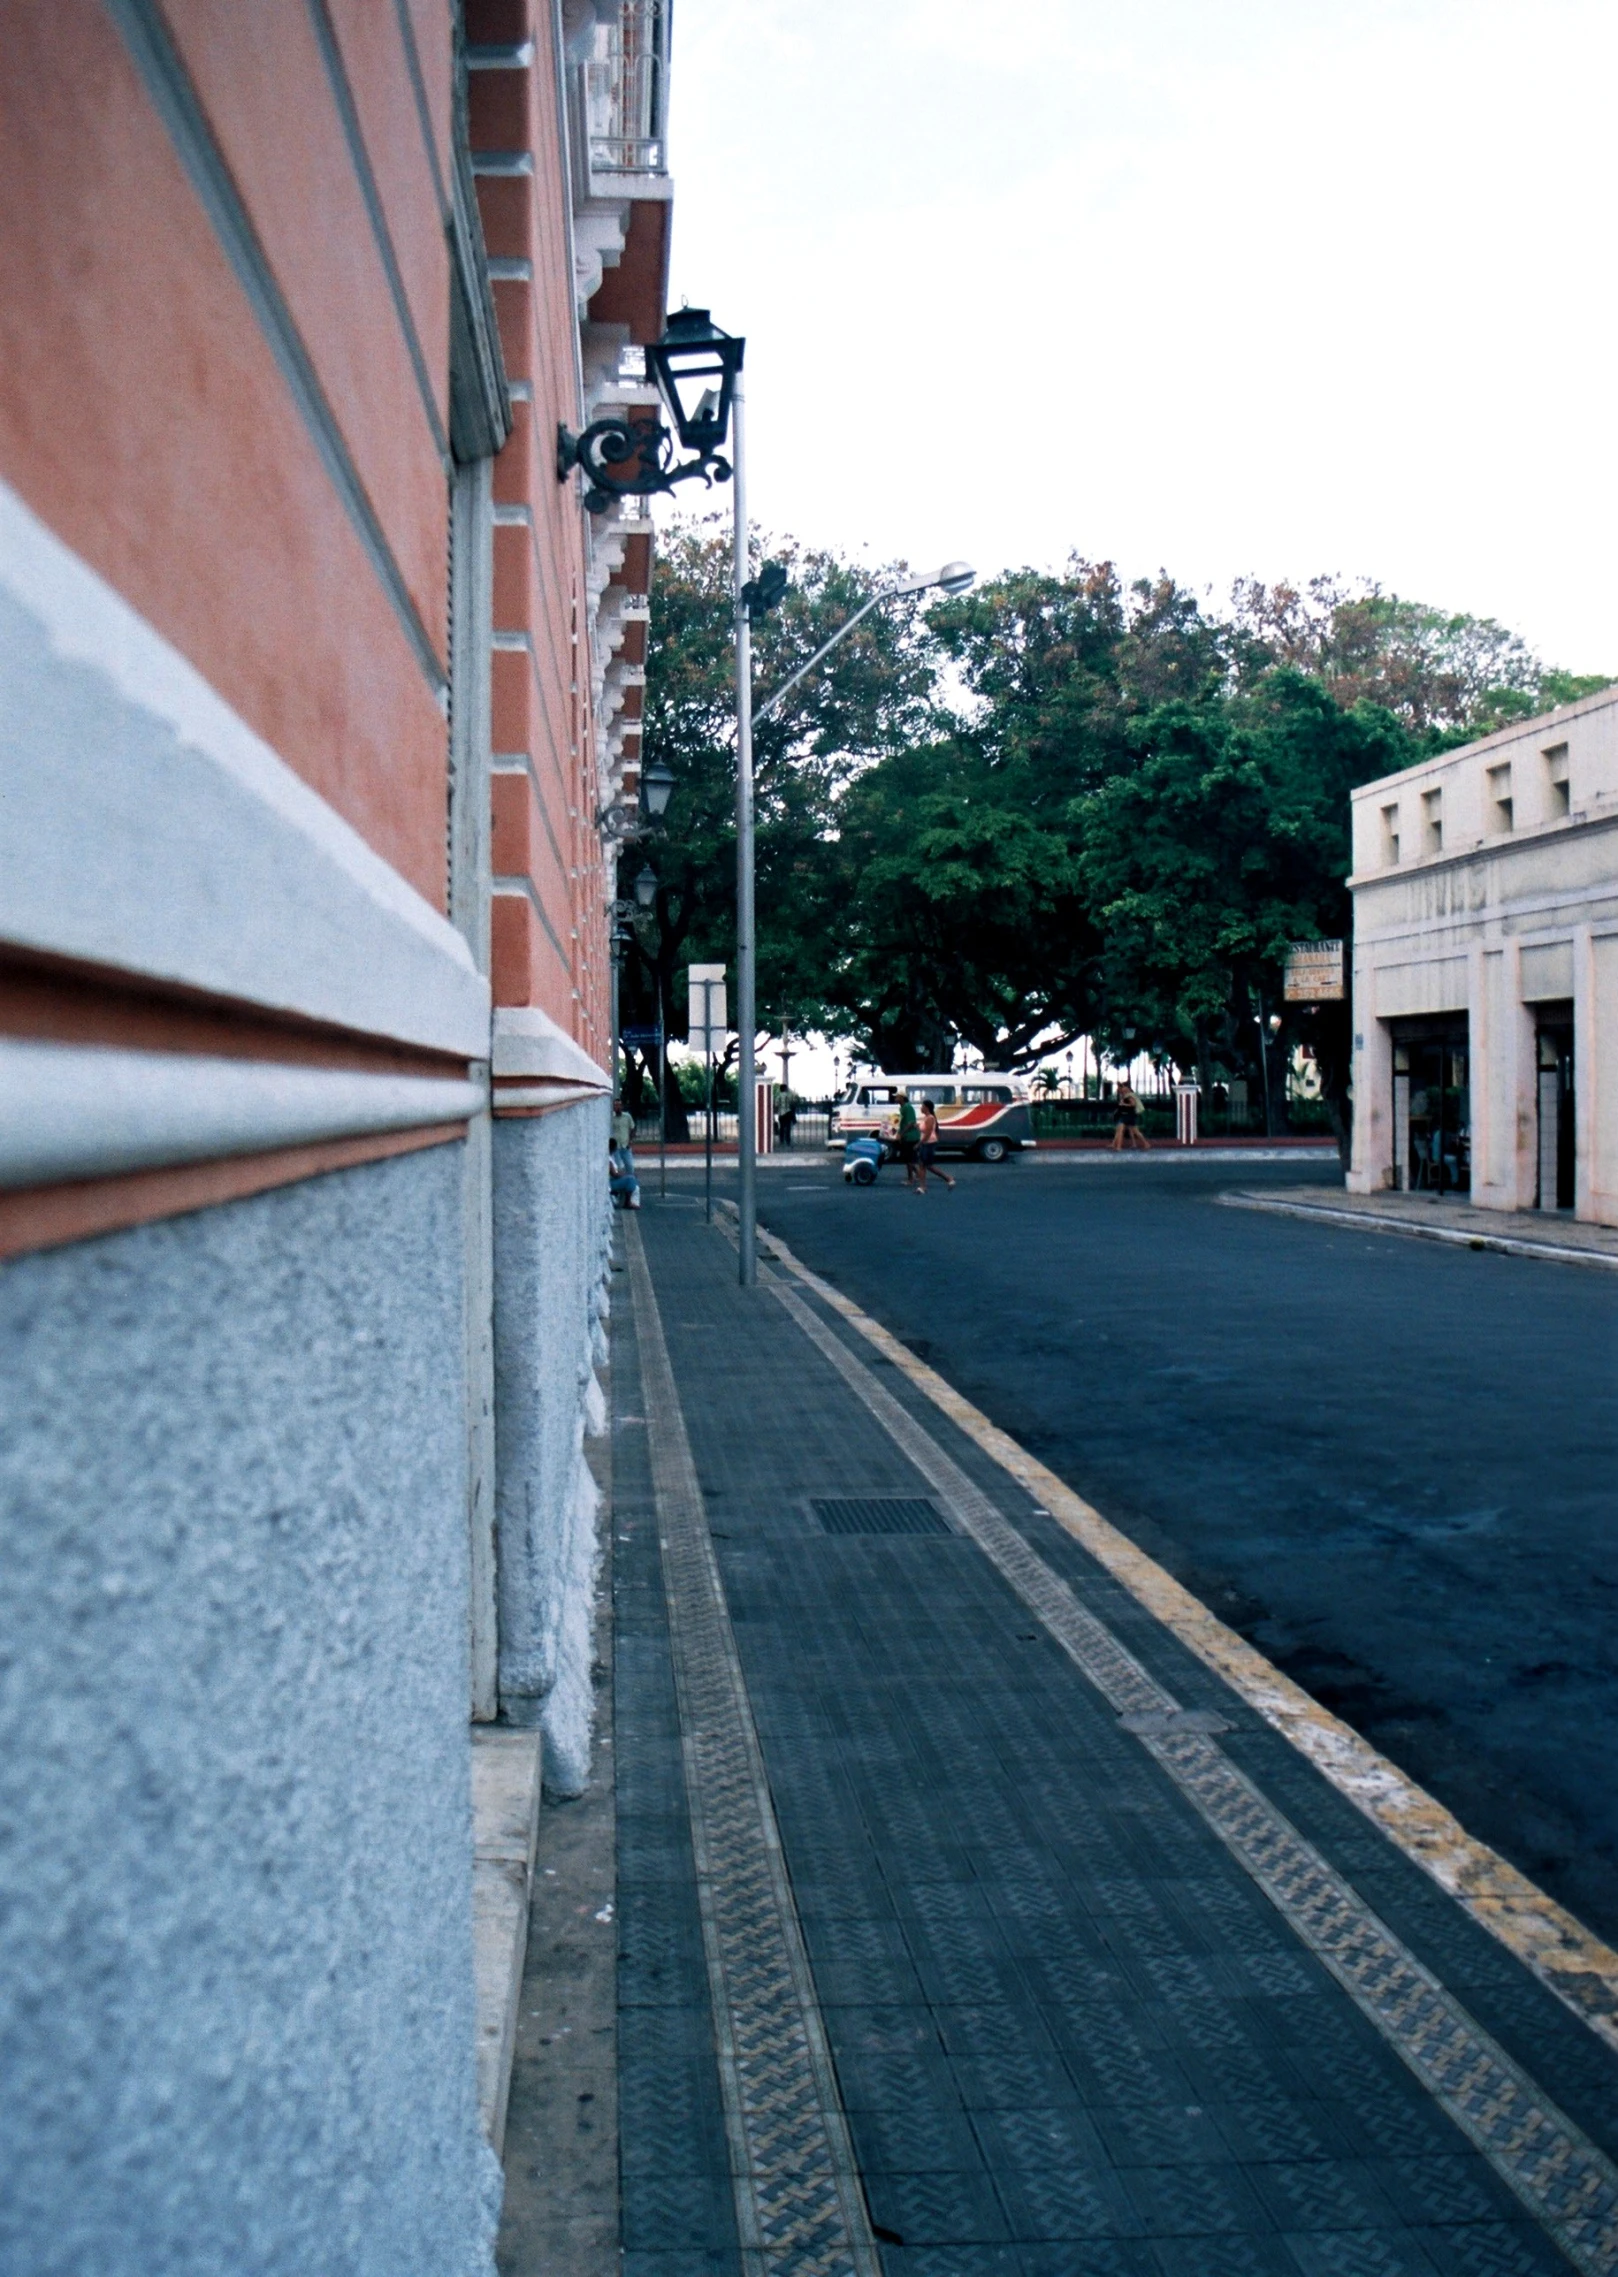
(694, 365)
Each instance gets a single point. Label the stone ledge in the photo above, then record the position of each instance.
(505, 1834)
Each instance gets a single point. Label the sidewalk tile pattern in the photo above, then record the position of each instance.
(798, 2206)
(678, 2218)
(1072, 2033)
(1563, 2179)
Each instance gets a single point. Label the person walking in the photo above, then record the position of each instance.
(909, 1136)
(927, 1148)
(1126, 1131)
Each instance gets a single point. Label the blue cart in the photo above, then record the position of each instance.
(862, 1159)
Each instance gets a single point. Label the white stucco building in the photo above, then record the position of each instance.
(1486, 969)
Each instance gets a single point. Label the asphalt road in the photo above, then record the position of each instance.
(1391, 1464)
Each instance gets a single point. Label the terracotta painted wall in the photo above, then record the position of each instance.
(146, 418)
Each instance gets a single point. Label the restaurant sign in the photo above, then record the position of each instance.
(1314, 973)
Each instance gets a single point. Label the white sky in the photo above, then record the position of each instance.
(1281, 286)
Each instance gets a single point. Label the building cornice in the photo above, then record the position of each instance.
(1483, 849)
(200, 860)
(76, 1111)
(1545, 725)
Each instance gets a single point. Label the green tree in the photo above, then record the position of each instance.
(1448, 676)
(960, 912)
(1228, 839)
(1132, 808)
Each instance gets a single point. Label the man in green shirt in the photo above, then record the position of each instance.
(909, 1133)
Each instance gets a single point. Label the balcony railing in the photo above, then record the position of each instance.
(626, 91)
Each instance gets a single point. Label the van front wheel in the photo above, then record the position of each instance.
(991, 1150)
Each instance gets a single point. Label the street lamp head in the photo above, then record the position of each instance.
(657, 787)
(954, 577)
(646, 887)
(695, 365)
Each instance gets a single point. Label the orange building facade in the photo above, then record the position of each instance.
(321, 725)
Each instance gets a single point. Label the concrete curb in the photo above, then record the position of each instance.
(1367, 1221)
(505, 1837)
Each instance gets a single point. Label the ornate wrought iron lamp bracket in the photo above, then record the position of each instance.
(625, 458)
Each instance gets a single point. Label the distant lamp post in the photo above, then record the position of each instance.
(657, 788)
(646, 887)
(617, 942)
(1267, 1029)
(695, 367)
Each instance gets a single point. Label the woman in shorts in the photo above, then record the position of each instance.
(927, 1148)
(1126, 1124)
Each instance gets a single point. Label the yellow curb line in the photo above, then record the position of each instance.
(1561, 1952)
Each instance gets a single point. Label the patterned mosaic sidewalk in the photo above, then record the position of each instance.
(964, 1913)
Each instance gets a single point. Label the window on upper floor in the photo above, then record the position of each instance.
(1390, 834)
(1432, 822)
(1500, 802)
(1558, 792)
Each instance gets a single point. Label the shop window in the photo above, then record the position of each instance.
(1432, 822)
(1500, 802)
(1558, 793)
(1390, 835)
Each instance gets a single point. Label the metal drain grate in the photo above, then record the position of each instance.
(879, 1514)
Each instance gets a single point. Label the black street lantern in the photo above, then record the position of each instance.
(657, 788)
(646, 887)
(695, 367)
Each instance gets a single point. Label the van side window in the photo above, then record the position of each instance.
(983, 1095)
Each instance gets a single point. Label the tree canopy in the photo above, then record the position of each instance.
(1055, 805)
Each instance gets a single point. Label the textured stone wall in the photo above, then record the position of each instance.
(235, 1949)
(550, 1217)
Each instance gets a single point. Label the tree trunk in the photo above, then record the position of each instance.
(676, 1126)
(634, 1086)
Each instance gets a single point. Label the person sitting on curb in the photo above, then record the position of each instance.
(1126, 1127)
(622, 1183)
(927, 1149)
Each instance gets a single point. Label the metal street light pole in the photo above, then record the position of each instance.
(954, 577)
(746, 1104)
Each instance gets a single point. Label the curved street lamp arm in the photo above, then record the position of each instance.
(764, 710)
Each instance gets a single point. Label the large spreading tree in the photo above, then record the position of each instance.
(1128, 808)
